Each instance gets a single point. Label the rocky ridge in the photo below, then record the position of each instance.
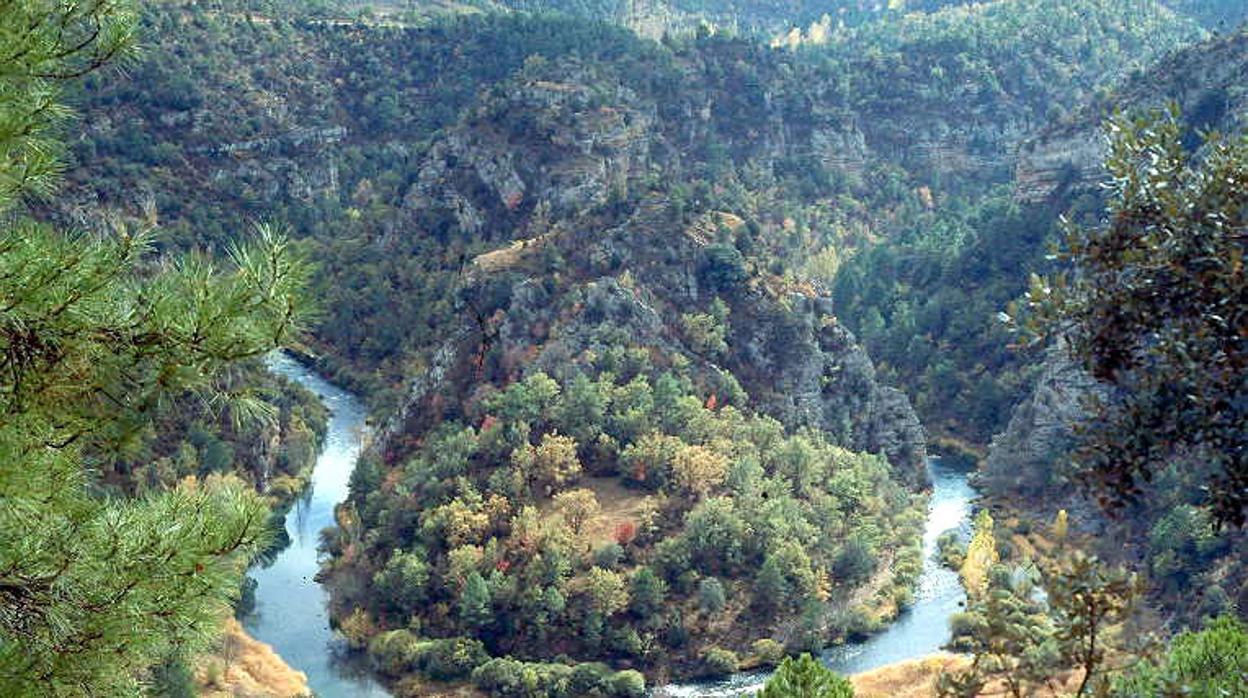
(1208, 83)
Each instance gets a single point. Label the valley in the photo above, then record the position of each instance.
(660, 347)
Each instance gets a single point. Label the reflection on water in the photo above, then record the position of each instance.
(290, 608)
(920, 630)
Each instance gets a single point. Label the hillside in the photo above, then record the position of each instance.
(659, 308)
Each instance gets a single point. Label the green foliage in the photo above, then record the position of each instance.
(1147, 309)
(711, 595)
(1010, 635)
(951, 549)
(719, 661)
(474, 603)
(95, 335)
(45, 45)
(515, 566)
(1208, 663)
(399, 652)
(1086, 598)
(402, 582)
(648, 593)
(806, 677)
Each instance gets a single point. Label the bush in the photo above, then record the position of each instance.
(627, 684)
(609, 556)
(711, 595)
(719, 661)
(951, 550)
(768, 651)
(854, 563)
(588, 677)
(394, 653)
(510, 677)
(452, 658)
(1206, 664)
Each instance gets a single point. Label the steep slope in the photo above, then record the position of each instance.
(1206, 82)
(1165, 531)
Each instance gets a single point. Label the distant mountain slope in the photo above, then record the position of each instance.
(1208, 82)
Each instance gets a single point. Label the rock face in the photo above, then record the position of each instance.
(629, 288)
(1026, 457)
(1208, 82)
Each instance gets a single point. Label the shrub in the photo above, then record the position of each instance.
(394, 653)
(769, 652)
(1206, 664)
(509, 677)
(588, 677)
(719, 661)
(627, 684)
(951, 550)
(711, 595)
(854, 563)
(451, 658)
(609, 556)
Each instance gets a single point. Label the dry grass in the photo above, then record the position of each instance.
(917, 679)
(247, 668)
(511, 256)
(619, 505)
(913, 679)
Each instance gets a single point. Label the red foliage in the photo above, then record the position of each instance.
(625, 532)
(711, 402)
(489, 422)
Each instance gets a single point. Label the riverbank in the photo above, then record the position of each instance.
(919, 631)
(243, 667)
(291, 609)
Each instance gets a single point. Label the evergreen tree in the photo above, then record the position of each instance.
(806, 677)
(474, 603)
(94, 338)
(1154, 306)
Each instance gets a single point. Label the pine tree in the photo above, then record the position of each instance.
(474, 603)
(806, 677)
(94, 337)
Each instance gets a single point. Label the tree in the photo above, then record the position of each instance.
(576, 507)
(550, 465)
(474, 602)
(94, 337)
(401, 583)
(806, 677)
(771, 585)
(711, 595)
(1203, 664)
(698, 470)
(1086, 599)
(648, 592)
(607, 591)
(1010, 637)
(981, 555)
(1154, 306)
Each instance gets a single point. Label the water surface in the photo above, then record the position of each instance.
(290, 612)
(291, 608)
(920, 630)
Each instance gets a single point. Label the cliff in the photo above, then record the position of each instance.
(1206, 82)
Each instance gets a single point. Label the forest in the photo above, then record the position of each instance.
(663, 314)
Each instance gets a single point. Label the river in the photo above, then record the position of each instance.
(920, 630)
(290, 612)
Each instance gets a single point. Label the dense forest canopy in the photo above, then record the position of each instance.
(659, 308)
